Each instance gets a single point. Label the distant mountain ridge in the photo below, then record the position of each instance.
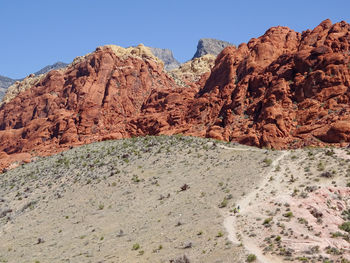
(205, 46)
(6, 82)
(48, 68)
(210, 46)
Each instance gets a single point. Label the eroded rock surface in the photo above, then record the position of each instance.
(284, 89)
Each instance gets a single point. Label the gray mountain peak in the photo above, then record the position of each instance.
(210, 46)
(48, 68)
(166, 55)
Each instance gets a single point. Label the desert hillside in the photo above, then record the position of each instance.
(158, 199)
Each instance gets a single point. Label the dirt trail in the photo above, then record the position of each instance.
(251, 149)
(230, 220)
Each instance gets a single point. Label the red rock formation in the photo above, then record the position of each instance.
(282, 90)
(87, 102)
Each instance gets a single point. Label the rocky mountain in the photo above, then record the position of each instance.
(166, 55)
(282, 90)
(210, 46)
(4, 84)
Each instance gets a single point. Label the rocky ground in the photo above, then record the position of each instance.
(157, 199)
(297, 213)
(150, 199)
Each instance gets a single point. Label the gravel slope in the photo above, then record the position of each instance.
(156, 199)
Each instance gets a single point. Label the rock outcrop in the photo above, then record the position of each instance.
(166, 55)
(210, 46)
(282, 90)
(191, 71)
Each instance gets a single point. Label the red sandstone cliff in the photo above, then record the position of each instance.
(282, 90)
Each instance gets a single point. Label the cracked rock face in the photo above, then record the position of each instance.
(83, 102)
(284, 89)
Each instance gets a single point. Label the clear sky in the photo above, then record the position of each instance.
(36, 33)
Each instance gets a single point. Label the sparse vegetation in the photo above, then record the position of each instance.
(220, 234)
(223, 203)
(345, 226)
(267, 161)
(267, 221)
(212, 180)
(135, 246)
(251, 258)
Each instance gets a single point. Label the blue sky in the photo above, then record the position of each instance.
(35, 33)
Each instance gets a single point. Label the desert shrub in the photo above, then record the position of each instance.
(223, 203)
(345, 226)
(303, 259)
(329, 153)
(251, 258)
(267, 221)
(326, 174)
(288, 214)
(336, 234)
(320, 166)
(346, 214)
(267, 161)
(135, 246)
(220, 234)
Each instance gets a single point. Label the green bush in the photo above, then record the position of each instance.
(267, 161)
(267, 221)
(345, 226)
(251, 258)
(223, 203)
(288, 214)
(135, 246)
(278, 238)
